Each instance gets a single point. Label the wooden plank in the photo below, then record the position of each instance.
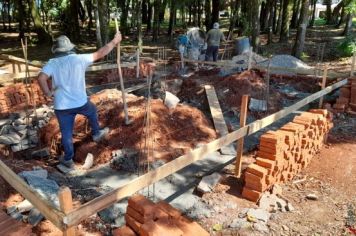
(218, 118)
(44, 206)
(66, 204)
(240, 142)
(104, 201)
(323, 84)
(216, 112)
(353, 64)
(109, 67)
(20, 60)
(11, 77)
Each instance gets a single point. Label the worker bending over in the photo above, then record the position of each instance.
(67, 70)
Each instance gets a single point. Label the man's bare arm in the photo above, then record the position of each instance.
(102, 52)
(42, 79)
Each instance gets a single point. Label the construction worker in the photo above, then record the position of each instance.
(213, 38)
(67, 70)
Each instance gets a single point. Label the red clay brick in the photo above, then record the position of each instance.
(253, 178)
(161, 227)
(268, 156)
(132, 223)
(257, 186)
(167, 208)
(265, 163)
(124, 231)
(251, 195)
(141, 204)
(257, 170)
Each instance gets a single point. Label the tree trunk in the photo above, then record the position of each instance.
(89, 5)
(343, 18)
(99, 41)
(144, 11)
(311, 23)
(43, 36)
(328, 11)
(215, 11)
(199, 12)
(162, 10)
(275, 19)
(9, 14)
(172, 16)
(235, 13)
(302, 28)
(20, 18)
(255, 23)
(74, 31)
(156, 24)
(149, 16)
(104, 21)
(124, 5)
(348, 26)
(263, 15)
(270, 21)
(207, 8)
(3, 18)
(285, 22)
(336, 11)
(296, 9)
(139, 24)
(280, 16)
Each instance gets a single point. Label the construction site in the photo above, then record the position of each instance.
(258, 142)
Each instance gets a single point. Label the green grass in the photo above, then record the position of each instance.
(320, 22)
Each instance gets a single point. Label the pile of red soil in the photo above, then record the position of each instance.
(173, 133)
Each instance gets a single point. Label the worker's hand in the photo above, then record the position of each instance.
(117, 39)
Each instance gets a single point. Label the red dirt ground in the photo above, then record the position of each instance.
(173, 132)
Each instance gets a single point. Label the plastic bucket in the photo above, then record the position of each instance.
(242, 45)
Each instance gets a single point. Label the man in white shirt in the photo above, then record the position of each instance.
(67, 70)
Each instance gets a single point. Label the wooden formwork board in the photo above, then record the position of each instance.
(64, 220)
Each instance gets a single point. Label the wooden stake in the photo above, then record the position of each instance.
(250, 59)
(127, 121)
(138, 63)
(66, 205)
(353, 64)
(240, 142)
(323, 84)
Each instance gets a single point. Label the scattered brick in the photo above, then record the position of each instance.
(251, 195)
(124, 231)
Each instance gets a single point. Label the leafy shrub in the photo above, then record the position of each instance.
(348, 46)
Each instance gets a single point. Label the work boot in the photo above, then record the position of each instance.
(101, 135)
(69, 163)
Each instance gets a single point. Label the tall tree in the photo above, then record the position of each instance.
(255, 23)
(42, 35)
(99, 40)
(172, 18)
(285, 22)
(156, 23)
(20, 18)
(302, 28)
(73, 27)
(215, 11)
(139, 24)
(312, 20)
(89, 5)
(328, 4)
(295, 15)
(207, 9)
(103, 10)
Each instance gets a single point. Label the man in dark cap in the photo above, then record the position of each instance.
(67, 70)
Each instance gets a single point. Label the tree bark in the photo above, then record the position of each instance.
(207, 8)
(42, 35)
(285, 22)
(99, 41)
(172, 15)
(343, 18)
(328, 11)
(348, 26)
(295, 15)
(275, 19)
(215, 11)
(280, 16)
(124, 5)
(255, 23)
(89, 5)
(8, 14)
(149, 16)
(270, 21)
(20, 18)
(139, 24)
(74, 31)
(311, 23)
(300, 39)
(104, 21)
(235, 13)
(156, 24)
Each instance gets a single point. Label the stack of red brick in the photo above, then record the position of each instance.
(347, 98)
(15, 97)
(127, 72)
(285, 152)
(144, 217)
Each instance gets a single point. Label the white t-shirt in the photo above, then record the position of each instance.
(68, 80)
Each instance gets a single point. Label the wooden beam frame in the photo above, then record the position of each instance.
(20, 60)
(73, 217)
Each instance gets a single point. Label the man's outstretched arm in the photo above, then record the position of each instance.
(102, 52)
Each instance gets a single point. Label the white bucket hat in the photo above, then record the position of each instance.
(62, 44)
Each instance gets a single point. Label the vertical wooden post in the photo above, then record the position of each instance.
(353, 64)
(240, 142)
(13, 68)
(323, 84)
(66, 205)
(250, 59)
(138, 63)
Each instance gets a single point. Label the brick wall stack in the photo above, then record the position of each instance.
(127, 72)
(347, 98)
(146, 218)
(285, 152)
(15, 97)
